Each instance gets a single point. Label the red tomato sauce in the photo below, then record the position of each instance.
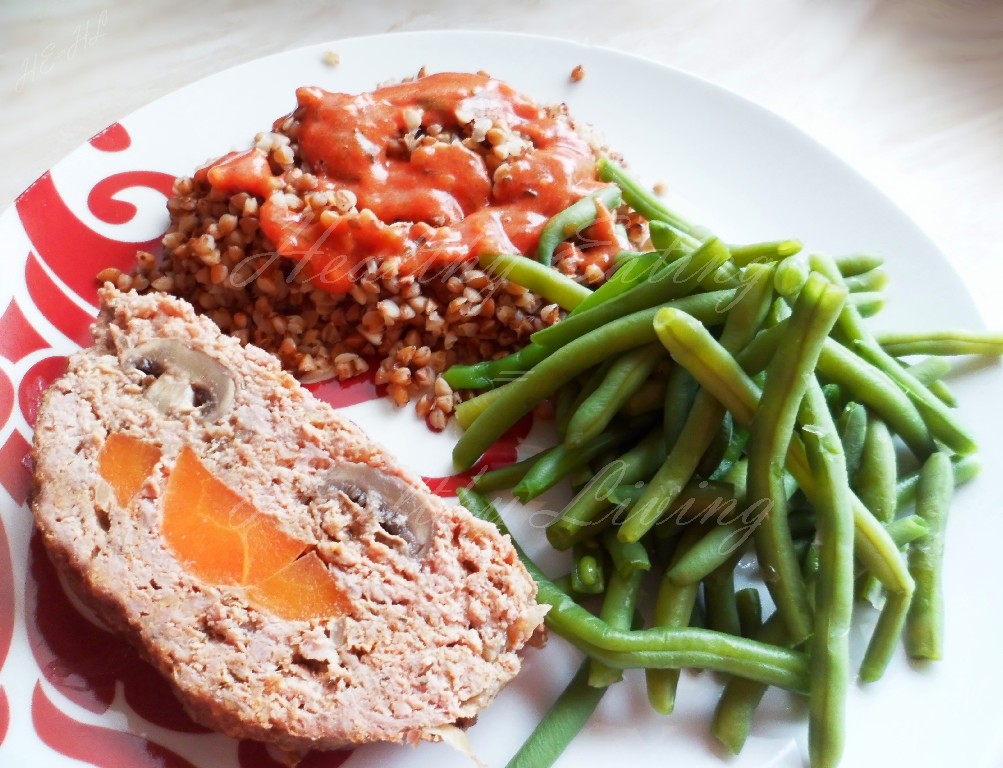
(437, 204)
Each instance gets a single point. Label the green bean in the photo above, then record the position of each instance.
(874, 483)
(857, 263)
(704, 417)
(924, 636)
(830, 650)
(712, 551)
(930, 371)
(734, 451)
(894, 613)
(650, 397)
(942, 424)
(941, 343)
(852, 427)
(740, 698)
(719, 599)
(677, 469)
(639, 463)
(626, 495)
(680, 392)
(750, 611)
(490, 373)
(791, 275)
(640, 199)
(555, 464)
(468, 411)
(833, 397)
(588, 576)
(675, 281)
(868, 303)
(787, 377)
(542, 280)
(627, 558)
(618, 606)
(938, 418)
(507, 476)
(589, 382)
(673, 608)
(694, 348)
(657, 648)
(893, 616)
(573, 220)
(743, 255)
(545, 378)
(727, 275)
(885, 637)
(963, 469)
(564, 406)
(871, 281)
(624, 377)
(873, 388)
(719, 443)
(906, 530)
(667, 240)
(562, 722)
(757, 355)
(629, 274)
(779, 312)
(704, 501)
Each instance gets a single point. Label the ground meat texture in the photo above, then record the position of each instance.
(432, 632)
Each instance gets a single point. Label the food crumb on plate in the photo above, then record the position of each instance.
(332, 58)
(578, 74)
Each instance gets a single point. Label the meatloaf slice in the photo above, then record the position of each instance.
(435, 604)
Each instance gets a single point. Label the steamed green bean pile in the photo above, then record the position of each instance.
(714, 405)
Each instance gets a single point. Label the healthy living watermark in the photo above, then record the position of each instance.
(699, 507)
(42, 63)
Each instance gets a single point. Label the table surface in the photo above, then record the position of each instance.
(910, 92)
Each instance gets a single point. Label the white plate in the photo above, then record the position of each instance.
(728, 164)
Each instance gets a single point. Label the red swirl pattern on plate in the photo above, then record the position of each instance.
(15, 474)
(34, 383)
(4, 715)
(58, 308)
(341, 394)
(68, 246)
(114, 138)
(6, 596)
(6, 398)
(6, 621)
(18, 338)
(102, 201)
(102, 747)
(501, 454)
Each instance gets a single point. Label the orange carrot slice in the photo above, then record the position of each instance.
(220, 536)
(302, 590)
(125, 463)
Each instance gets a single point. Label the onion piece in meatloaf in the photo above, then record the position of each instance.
(430, 606)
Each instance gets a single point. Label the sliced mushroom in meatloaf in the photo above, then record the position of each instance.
(292, 581)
